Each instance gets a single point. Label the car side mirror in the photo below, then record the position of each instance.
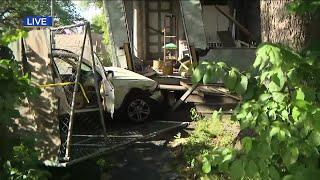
(110, 74)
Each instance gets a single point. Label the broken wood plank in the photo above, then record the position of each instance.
(172, 87)
(185, 96)
(208, 88)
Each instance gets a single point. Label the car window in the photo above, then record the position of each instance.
(63, 66)
(66, 64)
(85, 67)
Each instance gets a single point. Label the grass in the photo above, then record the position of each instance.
(210, 133)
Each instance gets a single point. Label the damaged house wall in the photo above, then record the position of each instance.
(201, 23)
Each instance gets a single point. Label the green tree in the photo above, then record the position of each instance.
(13, 12)
(280, 109)
(86, 4)
(99, 25)
(303, 6)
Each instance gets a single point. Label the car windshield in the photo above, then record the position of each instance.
(66, 64)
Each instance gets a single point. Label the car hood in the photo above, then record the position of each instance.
(121, 73)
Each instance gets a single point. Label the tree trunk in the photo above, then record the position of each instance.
(280, 26)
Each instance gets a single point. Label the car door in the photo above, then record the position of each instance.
(107, 88)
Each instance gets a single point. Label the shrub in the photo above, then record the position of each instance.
(281, 111)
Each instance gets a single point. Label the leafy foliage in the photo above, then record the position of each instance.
(86, 4)
(99, 25)
(13, 12)
(24, 165)
(282, 111)
(302, 6)
(210, 145)
(18, 157)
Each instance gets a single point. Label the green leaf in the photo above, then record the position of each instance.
(241, 115)
(222, 64)
(289, 177)
(285, 114)
(278, 96)
(206, 166)
(293, 76)
(275, 130)
(281, 135)
(290, 156)
(274, 54)
(316, 121)
(209, 75)
(295, 113)
(230, 79)
(242, 86)
(309, 93)
(314, 138)
(199, 72)
(277, 81)
(262, 57)
(220, 69)
(299, 94)
(264, 75)
(302, 104)
(216, 115)
(247, 144)
(237, 169)
(264, 97)
(227, 157)
(258, 61)
(252, 169)
(273, 173)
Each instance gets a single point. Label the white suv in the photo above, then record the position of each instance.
(124, 92)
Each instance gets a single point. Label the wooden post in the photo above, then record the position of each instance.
(126, 48)
(194, 60)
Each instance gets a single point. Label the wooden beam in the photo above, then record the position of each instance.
(241, 27)
(126, 47)
(184, 96)
(205, 88)
(172, 87)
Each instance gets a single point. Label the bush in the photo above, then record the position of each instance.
(280, 110)
(212, 137)
(18, 158)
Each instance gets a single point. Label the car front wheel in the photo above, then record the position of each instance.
(139, 109)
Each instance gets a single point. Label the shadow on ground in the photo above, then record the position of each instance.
(147, 160)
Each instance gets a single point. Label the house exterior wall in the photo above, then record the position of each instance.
(214, 21)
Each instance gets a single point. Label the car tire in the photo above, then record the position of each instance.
(138, 108)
